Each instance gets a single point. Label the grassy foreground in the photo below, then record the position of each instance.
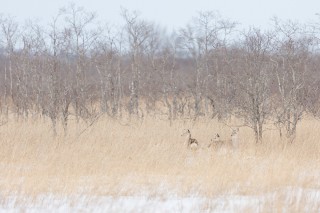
(120, 158)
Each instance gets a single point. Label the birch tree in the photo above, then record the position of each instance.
(291, 68)
(81, 37)
(9, 38)
(201, 38)
(138, 32)
(253, 80)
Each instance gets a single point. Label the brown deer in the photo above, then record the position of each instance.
(191, 142)
(217, 142)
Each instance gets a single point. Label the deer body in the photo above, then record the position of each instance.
(191, 142)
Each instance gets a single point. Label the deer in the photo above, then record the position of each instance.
(217, 142)
(234, 138)
(191, 142)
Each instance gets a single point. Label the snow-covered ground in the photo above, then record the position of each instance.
(287, 199)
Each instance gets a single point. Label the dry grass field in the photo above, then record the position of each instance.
(126, 159)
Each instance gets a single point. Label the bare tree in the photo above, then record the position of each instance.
(201, 39)
(59, 101)
(106, 58)
(138, 32)
(81, 39)
(290, 68)
(253, 80)
(9, 38)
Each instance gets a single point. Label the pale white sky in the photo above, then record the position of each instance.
(172, 13)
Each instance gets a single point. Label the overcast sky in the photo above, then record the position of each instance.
(172, 13)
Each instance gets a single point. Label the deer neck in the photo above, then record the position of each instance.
(188, 137)
(234, 139)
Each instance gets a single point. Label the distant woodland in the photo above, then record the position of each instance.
(75, 67)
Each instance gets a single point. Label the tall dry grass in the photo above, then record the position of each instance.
(113, 158)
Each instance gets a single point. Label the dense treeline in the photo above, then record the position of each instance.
(75, 67)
